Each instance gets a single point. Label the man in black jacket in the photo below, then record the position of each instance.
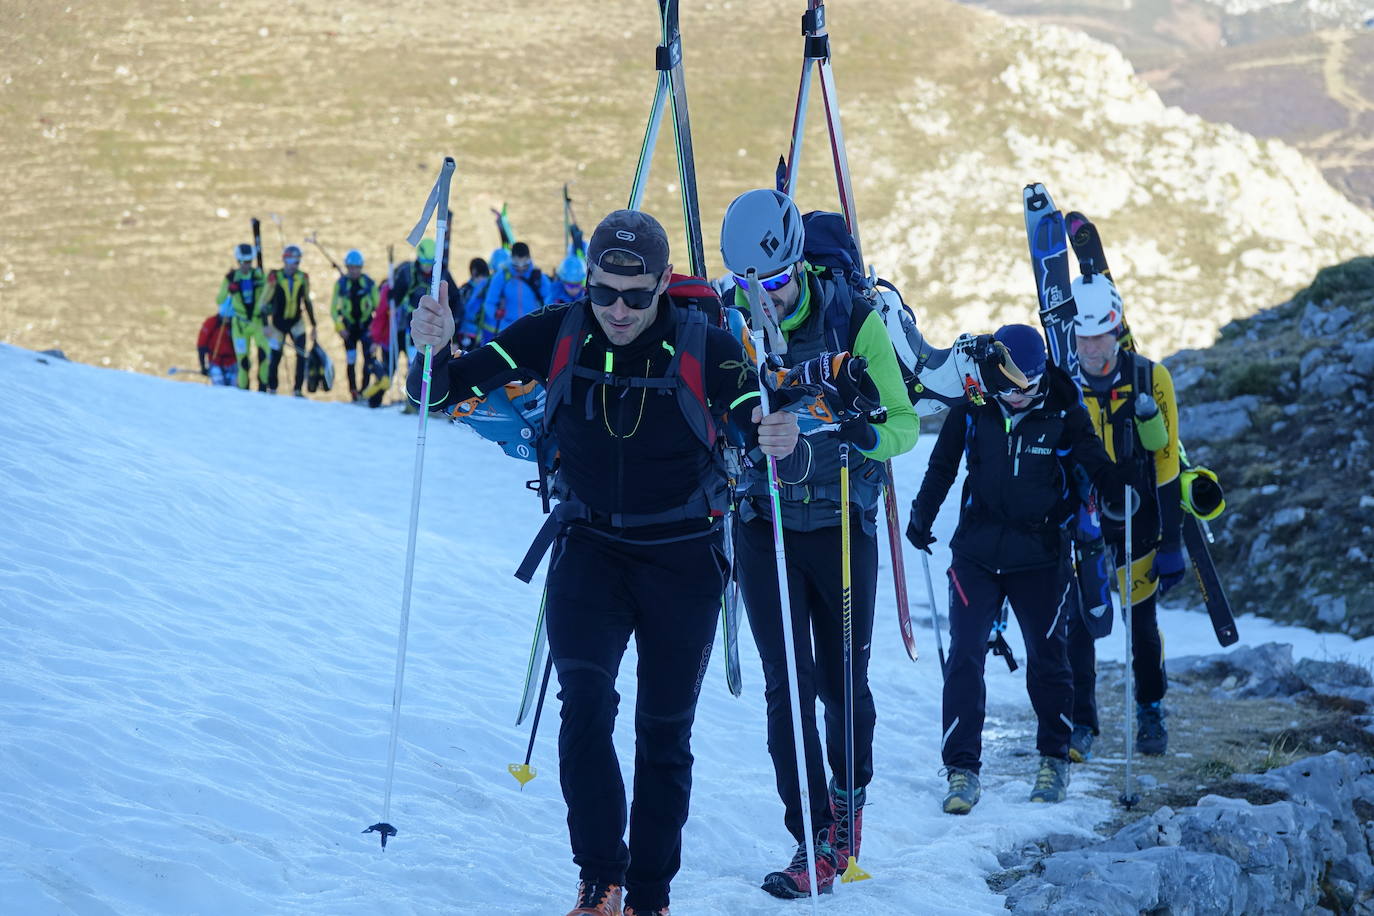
(1010, 544)
(638, 544)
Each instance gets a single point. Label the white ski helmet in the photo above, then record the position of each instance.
(243, 253)
(762, 230)
(1099, 305)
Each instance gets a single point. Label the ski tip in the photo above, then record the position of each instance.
(522, 772)
(1036, 198)
(853, 872)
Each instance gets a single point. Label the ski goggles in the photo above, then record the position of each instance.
(573, 289)
(606, 296)
(771, 284)
(1030, 390)
(292, 261)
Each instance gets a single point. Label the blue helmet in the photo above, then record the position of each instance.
(1026, 348)
(573, 270)
(499, 259)
(354, 258)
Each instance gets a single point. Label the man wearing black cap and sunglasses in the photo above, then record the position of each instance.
(636, 389)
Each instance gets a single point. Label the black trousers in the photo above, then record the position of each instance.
(813, 579)
(296, 340)
(1147, 647)
(1040, 600)
(600, 592)
(356, 341)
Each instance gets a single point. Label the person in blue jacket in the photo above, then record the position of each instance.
(571, 283)
(516, 290)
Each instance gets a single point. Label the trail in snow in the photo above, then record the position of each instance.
(199, 598)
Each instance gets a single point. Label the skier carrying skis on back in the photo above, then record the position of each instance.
(288, 298)
(636, 534)
(834, 343)
(355, 299)
(1010, 543)
(242, 296)
(1128, 395)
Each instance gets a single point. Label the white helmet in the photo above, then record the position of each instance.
(1099, 305)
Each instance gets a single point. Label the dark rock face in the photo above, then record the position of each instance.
(1279, 407)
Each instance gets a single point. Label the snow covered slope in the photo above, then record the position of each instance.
(199, 596)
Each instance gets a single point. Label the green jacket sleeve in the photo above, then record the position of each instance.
(903, 427)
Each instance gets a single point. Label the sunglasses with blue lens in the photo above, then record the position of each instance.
(606, 296)
(772, 284)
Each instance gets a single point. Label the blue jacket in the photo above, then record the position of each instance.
(509, 296)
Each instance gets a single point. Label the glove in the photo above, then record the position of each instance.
(1169, 567)
(839, 378)
(919, 535)
(858, 431)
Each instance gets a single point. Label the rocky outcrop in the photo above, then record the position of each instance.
(1309, 852)
(1279, 408)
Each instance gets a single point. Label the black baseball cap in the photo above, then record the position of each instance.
(631, 234)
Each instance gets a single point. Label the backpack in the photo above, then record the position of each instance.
(319, 369)
(520, 417)
(829, 247)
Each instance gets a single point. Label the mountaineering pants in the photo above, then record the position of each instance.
(355, 341)
(1147, 648)
(249, 334)
(223, 375)
(815, 586)
(599, 592)
(1040, 600)
(278, 335)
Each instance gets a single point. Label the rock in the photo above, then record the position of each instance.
(1366, 501)
(1293, 515)
(1320, 322)
(1330, 609)
(1259, 671)
(1312, 360)
(1330, 381)
(1333, 673)
(1217, 421)
(1361, 358)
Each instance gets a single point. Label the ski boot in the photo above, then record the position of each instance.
(597, 900)
(964, 790)
(1051, 780)
(1081, 744)
(794, 882)
(1151, 737)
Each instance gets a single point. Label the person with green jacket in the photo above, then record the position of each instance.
(841, 347)
(243, 297)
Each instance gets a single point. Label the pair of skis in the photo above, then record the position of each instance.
(817, 58)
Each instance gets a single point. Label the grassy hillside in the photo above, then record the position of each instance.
(142, 136)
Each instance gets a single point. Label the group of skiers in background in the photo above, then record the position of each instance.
(264, 314)
(646, 374)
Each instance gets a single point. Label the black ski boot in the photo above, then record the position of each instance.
(1151, 737)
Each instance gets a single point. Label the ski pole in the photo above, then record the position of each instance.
(281, 232)
(852, 871)
(760, 308)
(438, 199)
(523, 772)
(934, 615)
(313, 239)
(1127, 591)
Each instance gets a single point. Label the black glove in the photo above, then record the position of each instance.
(204, 370)
(839, 378)
(919, 535)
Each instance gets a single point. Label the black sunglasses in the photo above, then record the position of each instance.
(606, 296)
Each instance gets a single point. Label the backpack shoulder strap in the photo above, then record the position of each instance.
(566, 349)
(689, 367)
